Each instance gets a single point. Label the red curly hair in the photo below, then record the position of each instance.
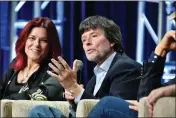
(53, 41)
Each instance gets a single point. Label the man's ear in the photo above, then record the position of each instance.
(112, 44)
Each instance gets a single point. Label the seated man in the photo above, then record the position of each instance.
(117, 107)
(152, 73)
(116, 74)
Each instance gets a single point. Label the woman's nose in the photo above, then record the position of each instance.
(37, 42)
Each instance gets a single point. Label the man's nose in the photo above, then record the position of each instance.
(88, 41)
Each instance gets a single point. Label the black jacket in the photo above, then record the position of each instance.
(40, 80)
(122, 80)
(151, 79)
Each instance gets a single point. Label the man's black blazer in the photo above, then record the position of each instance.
(122, 80)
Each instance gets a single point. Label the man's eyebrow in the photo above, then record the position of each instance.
(93, 32)
(90, 34)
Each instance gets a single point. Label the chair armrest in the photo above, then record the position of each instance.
(143, 110)
(164, 107)
(21, 107)
(6, 108)
(85, 106)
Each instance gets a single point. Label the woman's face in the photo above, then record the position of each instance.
(36, 47)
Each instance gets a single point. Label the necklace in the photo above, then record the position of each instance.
(25, 74)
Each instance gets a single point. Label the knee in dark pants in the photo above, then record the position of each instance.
(108, 100)
(35, 111)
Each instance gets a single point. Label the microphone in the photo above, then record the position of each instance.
(73, 105)
(79, 66)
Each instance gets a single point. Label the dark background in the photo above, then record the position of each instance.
(124, 13)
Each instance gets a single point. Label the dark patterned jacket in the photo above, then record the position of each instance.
(40, 86)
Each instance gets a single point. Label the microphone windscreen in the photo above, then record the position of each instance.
(79, 65)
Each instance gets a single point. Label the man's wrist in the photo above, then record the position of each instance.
(75, 89)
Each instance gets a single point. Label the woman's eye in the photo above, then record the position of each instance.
(43, 41)
(31, 38)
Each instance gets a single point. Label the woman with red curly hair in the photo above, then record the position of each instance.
(26, 78)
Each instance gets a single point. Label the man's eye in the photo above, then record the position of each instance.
(94, 35)
(83, 40)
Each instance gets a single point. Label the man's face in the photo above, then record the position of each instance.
(96, 46)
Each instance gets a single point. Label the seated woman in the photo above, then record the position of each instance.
(26, 77)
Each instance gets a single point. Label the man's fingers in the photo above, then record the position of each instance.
(55, 69)
(149, 105)
(68, 95)
(64, 63)
(54, 75)
(67, 92)
(152, 93)
(173, 34)
(150, 108)
(152, 96)
(75, 65)
(150, 113)
(155, 97)
(133, 107)
(57, 64)
(134, 102)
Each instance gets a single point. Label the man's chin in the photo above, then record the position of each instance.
(93, 59)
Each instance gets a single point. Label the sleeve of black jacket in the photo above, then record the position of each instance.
(151, 78)
(4, 81)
